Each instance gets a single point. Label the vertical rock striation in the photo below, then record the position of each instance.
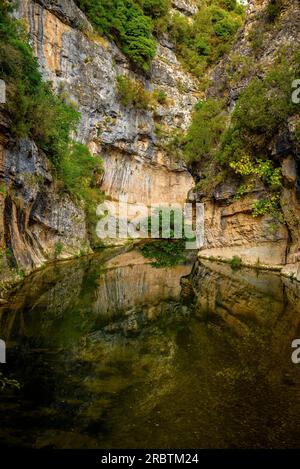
(231, 230)
(41, 222)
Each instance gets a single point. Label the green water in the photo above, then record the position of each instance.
(113, 353)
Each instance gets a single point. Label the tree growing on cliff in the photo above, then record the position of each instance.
(124, 22)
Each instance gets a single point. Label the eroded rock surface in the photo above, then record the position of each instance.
(230, 228)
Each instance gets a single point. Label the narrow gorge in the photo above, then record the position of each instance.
(126, 341)
(85, 67)
(141, 144)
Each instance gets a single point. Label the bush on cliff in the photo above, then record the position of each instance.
(125, 22)
(201, 42)
(36, 112)
(209, 121)
(262, 109)
(274, 9)
(133, 94)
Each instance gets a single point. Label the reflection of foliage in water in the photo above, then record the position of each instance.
(151, 373)
(6, 382)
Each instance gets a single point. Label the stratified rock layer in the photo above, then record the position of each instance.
(230, 227)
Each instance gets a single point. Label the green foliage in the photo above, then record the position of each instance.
(269, 205)
(238, 68)
(274, 9)
(125, 22)
(34, 110)
(201, 42)
(258, 168)
(132, 23)
(229, 5)
(165, 253)
(79, 170)
(256, 38)
(236, 263)
(161, 96)
(265, 104)
(8, 383)
(171, 218)
(261, 110)
(21, 274)
(155, 8)
(133, 94)
(58, 249)
(3, 189)
(209, 121)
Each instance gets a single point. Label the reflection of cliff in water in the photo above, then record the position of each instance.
(126, 355)
(92, 289)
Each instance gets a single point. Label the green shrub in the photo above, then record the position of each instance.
(202, 47)
(269, 205)
(209, 121)
(133, 94)
(201, 42)
(229, 5)
(262, 109)
(125, 22)
(258, 168)
(236, 263)
(79, 170)
(265, 104)
(34, 110)
(58, 249)
(165, 253)
(225, 28)
(3, 189)
(274, 9)
(161, 96)
(156, 8)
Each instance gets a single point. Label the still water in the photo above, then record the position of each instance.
(111, 352)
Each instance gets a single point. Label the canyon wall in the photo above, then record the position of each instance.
(40, 221)
(85, 66)
(230, 227)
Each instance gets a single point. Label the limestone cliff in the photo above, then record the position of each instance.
(39, 221)
(85, 66)
(36, 216)
(230, 228)
(42, 222)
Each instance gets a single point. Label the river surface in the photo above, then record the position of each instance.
(111, 352)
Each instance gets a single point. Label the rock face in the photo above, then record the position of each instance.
(230, 228)
(38, 222)
(83, 67)
(135, 143)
